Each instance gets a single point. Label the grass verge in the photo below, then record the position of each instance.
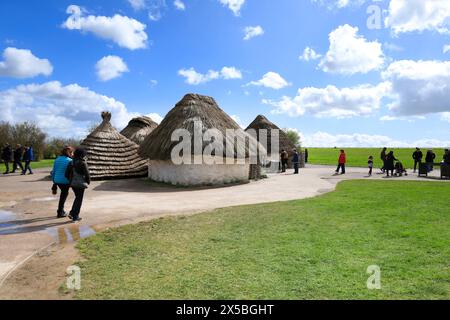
(316, 248)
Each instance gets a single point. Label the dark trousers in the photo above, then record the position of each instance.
(284, 164)
(296, 168)
(76, 207)
(416, 162)
(370, 171)
(17, 164)
(7, 166)
(62, 197)
(27, 167)
(342, 167)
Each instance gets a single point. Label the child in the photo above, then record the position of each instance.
(342, 161)
(370, 164)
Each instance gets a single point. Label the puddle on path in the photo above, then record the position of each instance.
(68, 234)
(6, 215)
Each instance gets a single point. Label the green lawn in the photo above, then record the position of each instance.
(316, 248)
(357, 157)
(47, 163)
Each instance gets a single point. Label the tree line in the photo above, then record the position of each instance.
(29, 134)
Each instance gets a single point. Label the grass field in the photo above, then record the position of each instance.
(357, 157)
(48, 163)
(316, 248)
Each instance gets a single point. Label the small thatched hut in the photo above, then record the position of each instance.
(186, 114)
(111, 155)
(139, 128)
(261, 122)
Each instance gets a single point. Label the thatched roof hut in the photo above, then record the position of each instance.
(139, 128)
(261, 122)
(111, 155)
(192, 108)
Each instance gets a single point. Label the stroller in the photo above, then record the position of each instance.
(400, 169)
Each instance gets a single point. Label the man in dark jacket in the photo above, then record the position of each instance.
(296, 161)
(429, 159)
(306, 155)
(383, 159)
(6, 156)
(417, 156)
(447, 157)
(284, 157)
(18, 155)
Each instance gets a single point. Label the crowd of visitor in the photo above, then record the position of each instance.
(16, 157)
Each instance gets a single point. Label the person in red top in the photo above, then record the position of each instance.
(342, 161)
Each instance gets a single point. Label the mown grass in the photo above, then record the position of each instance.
(47, 163)
(357, 157)
(316, 248)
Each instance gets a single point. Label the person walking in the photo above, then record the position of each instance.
(341, 162)
(389, 163)
(446, 158)
(429, 159)
(28, 157)
(60, 179)
(296, 161)
(370, 165)
(306, 155)
(18, 155)
(417, 156)
(383, 159)
(284, 160)
(7, 156)
(78, 174)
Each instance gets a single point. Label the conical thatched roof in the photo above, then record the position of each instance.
(139, 128)
(261, 122)
(193, 107)
(111, 155)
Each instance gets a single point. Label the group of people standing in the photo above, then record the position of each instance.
(70, 171)
(16, 157)
(284, 160)
(430, 158)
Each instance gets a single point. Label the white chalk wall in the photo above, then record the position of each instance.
(195, 174)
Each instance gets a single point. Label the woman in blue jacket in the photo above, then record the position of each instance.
(59, 178)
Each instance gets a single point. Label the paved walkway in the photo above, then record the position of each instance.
(27, 208)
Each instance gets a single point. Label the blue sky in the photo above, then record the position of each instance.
(360, 85)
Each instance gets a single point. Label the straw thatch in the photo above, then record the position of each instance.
(111, 155)
(193, 107)
(139, 128)
(261, 122)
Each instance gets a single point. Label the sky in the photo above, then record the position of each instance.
(345, 73)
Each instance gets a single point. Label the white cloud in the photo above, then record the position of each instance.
(339, 4)
(230, 73)
(323, 140)
(251, 32)
(332, 102)
(271, 80)
(195, 78)
(350, 53)
(309, 54)
(418, 15)
(179, 5)
(238, 120)
(110, 67)
(126, 32)
(153, 83)
(155, 117)
(137, 4)
(445, 116)
(419, 87)
(20, 63)
(233, 5)
(60, 110)
(446, 48)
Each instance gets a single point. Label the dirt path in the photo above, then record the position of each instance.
(36, 248)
